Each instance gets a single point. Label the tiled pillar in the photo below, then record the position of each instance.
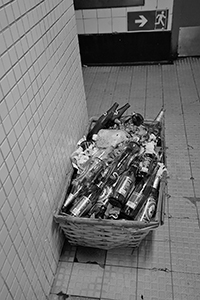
(43, 114)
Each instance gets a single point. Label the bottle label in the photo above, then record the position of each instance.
(125, 187)
(133, 204)
(146, 164)
(148, 210)
(81, 206)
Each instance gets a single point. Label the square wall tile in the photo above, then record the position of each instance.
(105, 25)
(3, 18)
(80, 26)
(150, 5)
(118, 12)
(89, 13)
(119, 24)
(9, 13)
(79, 14)
(104, 13)
(90, 26)
(162, 4)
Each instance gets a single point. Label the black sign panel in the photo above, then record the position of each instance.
(92, 4)
(148, 20)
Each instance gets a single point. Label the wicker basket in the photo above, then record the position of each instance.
(107, 234)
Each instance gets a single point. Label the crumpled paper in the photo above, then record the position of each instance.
(110, 138)
(106, 139)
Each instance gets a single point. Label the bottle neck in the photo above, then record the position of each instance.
(113, 108)
(119, 112)
(156, 182)
(160, 116)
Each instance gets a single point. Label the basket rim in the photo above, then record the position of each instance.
(115, 223)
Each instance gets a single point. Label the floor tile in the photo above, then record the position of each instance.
(154, 285)
(185, 257)
(62, 277)
(161, 233)
(185, 230)
(119, 283)
(85, 280)
(179, 188)
(182, 207)
(68, 253)
(154, 255)
(186, 286)
(197, 187)
(185, 245)
(125, 257)
(90, 255)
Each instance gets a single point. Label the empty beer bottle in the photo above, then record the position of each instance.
(75, 191)
(123, 186)
(86, 201)
(160, 115)
(117, 114)
(134, 119)
(146, 213)
(156, 126)
(112, 174)
(148, 159)
(103, 201)
(130, 152)
(137, 119)
(103, 121)
(150, 206)
(92, 170)
(138, 196)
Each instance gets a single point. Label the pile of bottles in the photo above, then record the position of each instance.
(122, 183)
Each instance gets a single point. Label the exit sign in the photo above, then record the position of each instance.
(148, 20)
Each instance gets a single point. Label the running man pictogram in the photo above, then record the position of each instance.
(161, 19)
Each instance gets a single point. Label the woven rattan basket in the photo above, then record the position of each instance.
(107, 234)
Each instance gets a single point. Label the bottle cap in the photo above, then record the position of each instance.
(137, 119)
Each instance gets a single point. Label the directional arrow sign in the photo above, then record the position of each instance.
(147, 20)
(142, 21)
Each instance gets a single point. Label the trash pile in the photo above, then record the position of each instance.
(118, 167)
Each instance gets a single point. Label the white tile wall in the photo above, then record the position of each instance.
(110, 20)
(43, 113)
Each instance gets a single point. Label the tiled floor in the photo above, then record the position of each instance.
(166, 266)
